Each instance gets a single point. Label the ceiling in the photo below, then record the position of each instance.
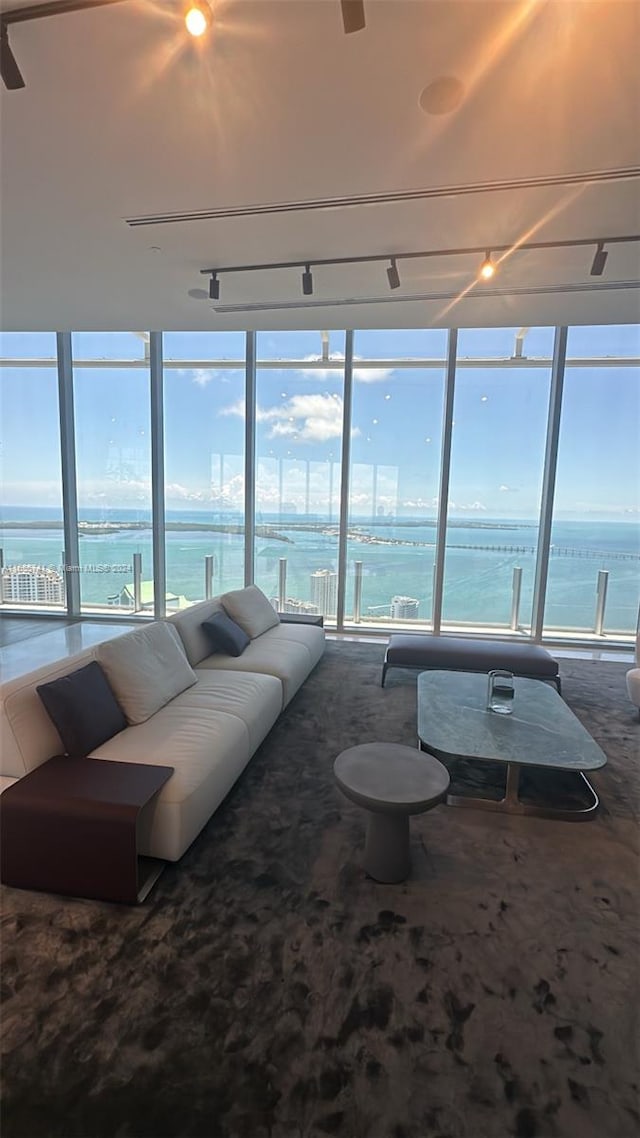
(124, 117)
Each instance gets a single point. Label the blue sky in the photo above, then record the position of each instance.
(498, 438)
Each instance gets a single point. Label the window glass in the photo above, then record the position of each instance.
(503, 343)
(113, 466)
(497, 455)
(31, 530)
(28, 345)
(609, 340)
(400, 343)
(110, 345)
(204, 345)
(393, 489)
(298, 448)
(594, 567)
(299, 345)
(204, 480)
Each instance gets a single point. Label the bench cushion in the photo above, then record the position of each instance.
(456, 653)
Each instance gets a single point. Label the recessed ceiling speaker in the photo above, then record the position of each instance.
(442, 96)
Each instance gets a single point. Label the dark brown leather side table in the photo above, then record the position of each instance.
(71, 826)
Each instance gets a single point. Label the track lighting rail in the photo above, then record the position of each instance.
(306, 265)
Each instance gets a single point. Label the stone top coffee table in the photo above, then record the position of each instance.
(454, 723)
(391, 782)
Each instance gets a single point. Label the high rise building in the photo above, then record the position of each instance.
(324, 591)
(292, 605)
(32, 584)
(404, 608)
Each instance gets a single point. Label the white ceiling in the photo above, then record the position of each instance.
(123, 116)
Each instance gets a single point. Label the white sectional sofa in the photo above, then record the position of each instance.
(208, 730)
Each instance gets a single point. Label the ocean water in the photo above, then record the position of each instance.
(397, 558)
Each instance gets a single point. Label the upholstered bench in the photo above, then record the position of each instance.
(448, 653)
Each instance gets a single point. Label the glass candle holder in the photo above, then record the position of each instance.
(500, 692)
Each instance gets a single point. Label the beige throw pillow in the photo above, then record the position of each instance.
(146, 669)
(251, 609)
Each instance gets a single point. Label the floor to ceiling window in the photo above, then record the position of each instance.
(31, 537)
(204, 399)
(299, 415)
(594, 566)
(385, 563)
(396, 445)
(113, 467)
(497, 455)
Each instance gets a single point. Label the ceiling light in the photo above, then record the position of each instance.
(487, 268)
(599, 260)
(198, 17)
(307, 281)
(393, 275)
(214, 287)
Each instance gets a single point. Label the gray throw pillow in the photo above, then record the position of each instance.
(225, 635)
(83, 708)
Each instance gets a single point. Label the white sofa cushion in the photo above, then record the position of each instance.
(146, 668)
(251, 609)
(208, 751)
(254, 698)
(189, 622)
(310, 635)
(286, 659)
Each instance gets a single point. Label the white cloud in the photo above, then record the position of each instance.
(362, 375)
(234, 409)
(508, 489)
(175, 492)
(31, 493)
(202, 376)
(231, 493)
(304, 418)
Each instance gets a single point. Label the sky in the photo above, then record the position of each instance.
(498, 439)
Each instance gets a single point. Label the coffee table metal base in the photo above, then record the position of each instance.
(512, 804)
(386, 851)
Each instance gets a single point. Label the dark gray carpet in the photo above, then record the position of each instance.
(268, 989)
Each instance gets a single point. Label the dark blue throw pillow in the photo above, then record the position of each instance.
(225, 635)
(83, 708)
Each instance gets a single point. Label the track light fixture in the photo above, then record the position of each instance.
(487, 268)
(198, 18)
(393, 275)
(599, 260)
(11, 76)
(485, 272)
(9, 70)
